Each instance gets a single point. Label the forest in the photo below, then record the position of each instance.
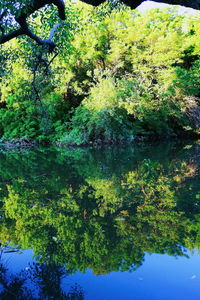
(104, 75)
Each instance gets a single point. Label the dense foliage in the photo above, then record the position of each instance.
(119, 74)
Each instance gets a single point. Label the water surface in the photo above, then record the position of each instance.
(115, 223)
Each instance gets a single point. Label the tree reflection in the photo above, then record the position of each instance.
(38, 281)
(80, 211)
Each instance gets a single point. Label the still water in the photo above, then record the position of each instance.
(94, 224)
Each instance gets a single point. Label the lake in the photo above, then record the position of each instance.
(104, 223)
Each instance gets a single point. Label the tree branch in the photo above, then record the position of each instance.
(10, 36)
(22, 15)
(24, 29)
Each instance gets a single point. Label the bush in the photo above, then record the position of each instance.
(117, 110)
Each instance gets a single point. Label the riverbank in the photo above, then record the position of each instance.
(25, 143)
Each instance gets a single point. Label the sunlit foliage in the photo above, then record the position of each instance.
(118, 74)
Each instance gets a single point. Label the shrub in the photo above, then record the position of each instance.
(118, 110)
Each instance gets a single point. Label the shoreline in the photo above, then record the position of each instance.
(25, 143)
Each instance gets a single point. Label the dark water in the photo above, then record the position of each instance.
(117, 223)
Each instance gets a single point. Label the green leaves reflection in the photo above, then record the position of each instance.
(100, 209)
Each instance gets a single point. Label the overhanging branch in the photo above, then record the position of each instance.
(24, 29)
(21, 17)
(10, 36)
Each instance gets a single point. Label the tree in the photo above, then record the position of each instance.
(15, 14)
(46, 277)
